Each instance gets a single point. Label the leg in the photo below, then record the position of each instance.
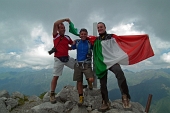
(80, 87)
(116, 69)
(54, 83)
(89, 75)
(78, 76)
(71, 63)
(57, 71)
(53, 86)
(80, 91)
(90, 83)
(103, 88)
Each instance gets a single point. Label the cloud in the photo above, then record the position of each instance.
(31, 49)
(166, 57)
(125, 29)
(26, 27)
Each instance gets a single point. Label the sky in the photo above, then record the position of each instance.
(26, 28)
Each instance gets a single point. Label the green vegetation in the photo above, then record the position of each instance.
(161, 106)
(42, 95)
(22, 101)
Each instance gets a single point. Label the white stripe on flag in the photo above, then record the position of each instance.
(113, 54)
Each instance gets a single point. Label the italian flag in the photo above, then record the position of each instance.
(124, 50)
(73, 30)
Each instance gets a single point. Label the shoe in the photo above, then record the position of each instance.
(81, 100)
(52, 98)
(104, 107)
(126, 101)
(84, 86)
(90, 85)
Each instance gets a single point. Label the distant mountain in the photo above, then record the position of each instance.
(3, 69)
(33, 82)
(141, 84)
(134, 78)
(141, 91)
(155, 82)
(162, 106)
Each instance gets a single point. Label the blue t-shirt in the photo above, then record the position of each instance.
(82, 49)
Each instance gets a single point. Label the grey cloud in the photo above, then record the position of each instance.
(17, 18)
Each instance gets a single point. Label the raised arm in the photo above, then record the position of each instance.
(57, 23)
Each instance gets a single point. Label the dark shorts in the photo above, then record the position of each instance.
(80, 69)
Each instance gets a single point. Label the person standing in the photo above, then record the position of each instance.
(61, 56)
(116, 69)
(83, 63)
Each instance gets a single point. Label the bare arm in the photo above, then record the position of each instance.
(55, 27)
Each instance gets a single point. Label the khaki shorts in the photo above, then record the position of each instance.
(58, 65)
(80, 69)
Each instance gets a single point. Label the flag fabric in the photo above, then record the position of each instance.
(73, 30)
(124, 50)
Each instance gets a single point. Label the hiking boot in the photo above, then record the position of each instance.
(104, 107)
(81, 100)
(52, 98)
(84, 86)
(90, 85)
(126, 101)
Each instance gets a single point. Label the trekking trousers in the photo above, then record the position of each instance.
(116, 69)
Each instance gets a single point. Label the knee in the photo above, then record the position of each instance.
(55, 78)
(103, 85)
(91, 79)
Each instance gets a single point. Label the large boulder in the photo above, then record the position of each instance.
(17, 94)
(11, 103)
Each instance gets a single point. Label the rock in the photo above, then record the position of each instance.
(67, 100)
(4, 93)
(3, 108)
(77, 109)
(68, 105)
(47, 107)
(33, 98)
(17, 95)
(68, 94)
(92, 101)
(11, 103)
(46, 97)
(93, 98)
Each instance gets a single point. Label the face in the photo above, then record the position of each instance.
(101, 28)
(61, 29)
(83, 35)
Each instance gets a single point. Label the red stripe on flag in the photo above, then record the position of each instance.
(137, 47)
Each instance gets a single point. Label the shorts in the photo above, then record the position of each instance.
(58, 65)
(80, 69)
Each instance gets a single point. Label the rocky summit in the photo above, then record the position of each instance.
(67, 100)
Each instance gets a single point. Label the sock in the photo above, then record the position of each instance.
(52, 91)
(80, 95)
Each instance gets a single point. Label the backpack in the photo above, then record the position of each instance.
(89, 54)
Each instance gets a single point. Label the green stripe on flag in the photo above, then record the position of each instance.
(100, 66)
(72, 29)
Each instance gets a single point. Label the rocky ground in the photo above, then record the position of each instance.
(67, 100)
(26, 108)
